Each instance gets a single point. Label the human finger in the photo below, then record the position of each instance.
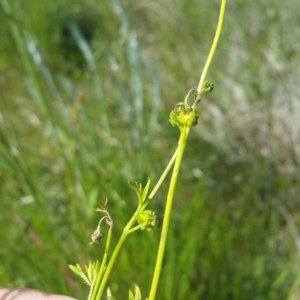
(29, 294)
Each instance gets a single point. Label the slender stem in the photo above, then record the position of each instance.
(91, 293)
(164, 175)
(213, 47)
(134, 229)
(167, 215)
(115, 254)
(99, 277)
(127, 230)
(110, 264)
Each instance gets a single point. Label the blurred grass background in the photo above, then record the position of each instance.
(85, 92)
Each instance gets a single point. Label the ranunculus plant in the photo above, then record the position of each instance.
(184, 116)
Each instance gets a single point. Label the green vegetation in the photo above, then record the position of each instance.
(87, 110)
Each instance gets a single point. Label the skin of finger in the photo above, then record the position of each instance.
(28, 294)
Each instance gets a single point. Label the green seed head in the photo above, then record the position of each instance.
(147, 219)
(182, 115)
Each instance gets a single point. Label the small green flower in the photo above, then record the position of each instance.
(147, 219)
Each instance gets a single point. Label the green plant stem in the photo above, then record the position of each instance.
(98, 291)
(134, 229)
(168, 209)
(115, 253)
(100, 275)
(110, 264)
(164, 175)
(213, 47)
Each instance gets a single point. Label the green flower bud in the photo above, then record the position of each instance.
(208, 86)
(147, 219)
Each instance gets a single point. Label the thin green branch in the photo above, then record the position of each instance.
(164, 175)
(134, 229)
(100, 275)
(115, 253)
(213, 47)
(110, 265)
